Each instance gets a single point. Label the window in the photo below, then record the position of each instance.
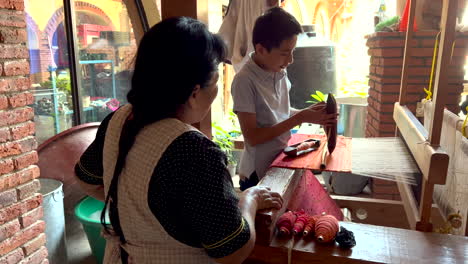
(106, 47)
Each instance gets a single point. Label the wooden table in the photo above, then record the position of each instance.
(374, 244)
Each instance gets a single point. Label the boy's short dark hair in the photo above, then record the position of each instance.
(273, 27)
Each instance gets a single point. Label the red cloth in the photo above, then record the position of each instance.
(339, 160)
(312, 197)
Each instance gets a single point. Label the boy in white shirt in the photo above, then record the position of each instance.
(261, 95)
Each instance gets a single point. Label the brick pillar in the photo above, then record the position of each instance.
(386, 51)
(22, 238)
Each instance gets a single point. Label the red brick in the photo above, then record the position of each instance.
(28, 189)
(34, 245)
(9, 149)
(419, 71)
(12, 4)
(21, 99)
(3, 102)
(6, 166)
(13, 258)
(14, 211)
(19, 84)
(4, 134)
(388, 71)
(25, 160)
(9, 229)
(399, 61)
(375, 61)
(37, 257)
(9, 18)
(4, 85)
(423, 52)
(385, 80)
(21, 237)
(427, 42)
(387, 88)
(394, 43)
(9, 181)
(11, 68)
(28, 174)
(12, 36)
(7, 198)
(22, 130)
(380, 117)
(382, 34)
(386, 52)
(27, 144)
(16, 116)
(31, 217)
(426, 33)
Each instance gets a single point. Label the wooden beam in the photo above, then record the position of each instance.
(197, 9)
(407, 53)
(374, 244)
(191, 8)
(283, 181)
(134, 16)
(432, 160)
(378, 212)
(151, 11)
(447, 36)
(410, 205)
(425, 210)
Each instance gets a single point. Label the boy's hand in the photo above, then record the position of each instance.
(317, 114)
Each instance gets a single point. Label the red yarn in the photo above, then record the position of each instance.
(326, 228)
(285, 223)
(301, 221)
(310, 225)
(405, 17)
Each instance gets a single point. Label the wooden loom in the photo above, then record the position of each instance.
(377, 244)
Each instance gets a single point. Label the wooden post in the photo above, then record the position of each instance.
(425, 207)
(134, 15)
(407, 53)
(191, 8)
(447, 36)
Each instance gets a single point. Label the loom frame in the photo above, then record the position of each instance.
(425, 145)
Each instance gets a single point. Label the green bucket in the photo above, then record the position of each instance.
(88, 212)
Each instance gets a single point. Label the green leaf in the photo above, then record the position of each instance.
(316, 97)
(321, 95)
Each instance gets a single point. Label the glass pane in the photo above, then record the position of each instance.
(49, 70)
(107, 47)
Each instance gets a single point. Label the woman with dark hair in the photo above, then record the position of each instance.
(166, 186)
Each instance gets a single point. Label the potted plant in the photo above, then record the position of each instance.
(223, 139)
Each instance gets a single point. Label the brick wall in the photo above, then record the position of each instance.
(386, 50)
(22, 238)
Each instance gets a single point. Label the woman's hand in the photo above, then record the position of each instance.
(264, 197)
